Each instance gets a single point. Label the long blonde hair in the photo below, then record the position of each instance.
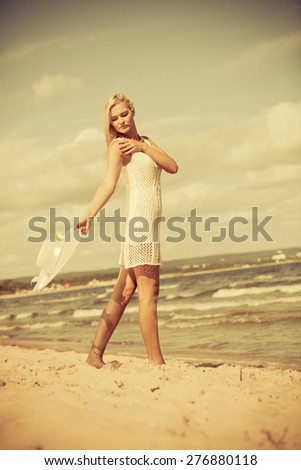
(109, 131)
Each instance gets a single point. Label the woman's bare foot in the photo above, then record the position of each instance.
(156, 362)
(94, 358)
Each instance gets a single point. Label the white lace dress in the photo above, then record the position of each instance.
(141, 244)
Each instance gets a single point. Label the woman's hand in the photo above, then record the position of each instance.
(129, 146)
(84, 225)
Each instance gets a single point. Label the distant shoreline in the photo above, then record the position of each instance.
(229, 268)
(49, 290)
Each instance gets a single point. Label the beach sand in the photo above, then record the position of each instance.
(54, 400)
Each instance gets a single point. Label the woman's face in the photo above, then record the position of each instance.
(122, 118)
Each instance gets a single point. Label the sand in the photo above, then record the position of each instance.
(54, 400)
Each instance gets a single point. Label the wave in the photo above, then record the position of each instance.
(34, 326)
(291, 299)
(86, 313)
(247, 302)
(101, 296)
(223, 320)
(264, 277)
(54, 299)
(8, 328)
(169, 286)
(39, 326)
(232, 292)
(5, 316)
(20, 316)
(250, 283)
(223, 304)
(181, 296)
(178, 309)
(183, 316)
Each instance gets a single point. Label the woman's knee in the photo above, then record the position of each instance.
(149, 296)
(127, 294)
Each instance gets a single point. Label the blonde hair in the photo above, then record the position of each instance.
(109, 131)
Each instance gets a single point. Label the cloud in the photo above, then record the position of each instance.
(51, 86)
(277, 176)
(23, 50)
(227, 171)
(264, 50)
(35, 176)
(44, 90)
(273, 138)
(284, 125)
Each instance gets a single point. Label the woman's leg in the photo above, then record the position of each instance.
(123, 291)
(148, 282)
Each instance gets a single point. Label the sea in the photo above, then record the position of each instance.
(248, 315)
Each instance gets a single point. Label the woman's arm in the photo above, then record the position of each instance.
(128, 146)
(160, 157)
(105, 189)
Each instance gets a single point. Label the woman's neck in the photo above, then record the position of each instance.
(134, 136)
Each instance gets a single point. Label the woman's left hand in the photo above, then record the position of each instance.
(129, 146)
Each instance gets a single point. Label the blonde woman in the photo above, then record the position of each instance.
(139, 161)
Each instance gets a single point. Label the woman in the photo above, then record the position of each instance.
(139, 161)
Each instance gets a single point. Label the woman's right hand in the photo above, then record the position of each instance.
(129, 146)
(84, 225)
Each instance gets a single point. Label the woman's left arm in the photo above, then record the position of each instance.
(129, 146)
(160, 157)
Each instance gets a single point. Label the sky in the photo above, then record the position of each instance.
(215, 83)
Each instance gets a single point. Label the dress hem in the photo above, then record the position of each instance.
(140, 264)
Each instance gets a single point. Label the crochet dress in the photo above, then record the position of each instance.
(141, 244)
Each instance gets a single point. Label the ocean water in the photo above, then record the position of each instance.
(241, 316)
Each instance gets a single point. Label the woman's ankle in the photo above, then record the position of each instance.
(95, 357)
(157, 361)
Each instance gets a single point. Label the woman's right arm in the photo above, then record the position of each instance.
(105, 189)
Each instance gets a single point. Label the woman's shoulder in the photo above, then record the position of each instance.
(146, 139)
(113, 144)
(113, 147)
